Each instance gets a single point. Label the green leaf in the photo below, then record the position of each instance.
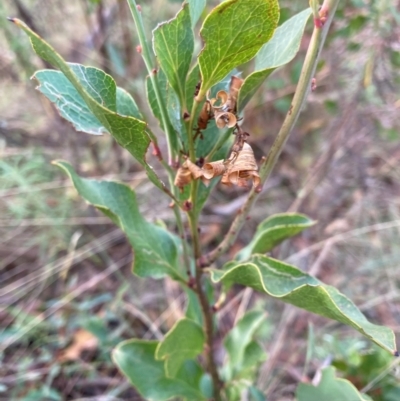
(98, 90)
(184, 341)
(273, 230)
(280, 50)
(136, 360)
(193, 308)
(71, 106)
(97, 84)
(239, 338)
(291, 285)
(191, 373)
(233, 33)
(56, 87)
(126, 105)
(173, 44)
(330, 388)
(253, 355)
(196, 8)
(155, 248)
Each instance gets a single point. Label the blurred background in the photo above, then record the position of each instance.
(67, 295)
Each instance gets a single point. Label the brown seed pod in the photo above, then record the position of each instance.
(214, 169)
(242, 167)
(224, 119)
(194, 169)
(241, 178)
(234, 88)
(183, 176)
(245, 160)
(225, 180)
(221, 99)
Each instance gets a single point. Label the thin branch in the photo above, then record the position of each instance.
(206, 310)
(321, 28)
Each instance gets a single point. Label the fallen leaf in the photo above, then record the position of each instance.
(83, 341)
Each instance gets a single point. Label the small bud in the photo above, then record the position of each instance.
(139, 8)
(313, 84)
(186, 116)
(139, 49)
(318, 23)
(156, 151)
(202, 262)
(197, 89)
(171, 205)
(191, 282)
(187, 206)
(154, 71)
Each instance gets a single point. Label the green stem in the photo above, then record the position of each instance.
(321, 28)
(192, 154)
(190, 130)
(205, 307)
(177, 212)
(193, 221)
(147, 58)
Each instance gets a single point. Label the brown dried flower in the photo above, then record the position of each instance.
(214, 169)
(234, 88)
(241, 168)
(183, 176)
(222, 113)
(187, 172)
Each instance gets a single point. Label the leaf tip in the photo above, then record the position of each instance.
(59, 163)
(12, 20)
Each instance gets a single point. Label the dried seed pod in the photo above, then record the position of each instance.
(221, 98)
(183, 176)
(245, 160)
(225, 180)
(194, 169)
(242, 167)
(241, 178)
(234, 88)
(214, 169)
(224, 119)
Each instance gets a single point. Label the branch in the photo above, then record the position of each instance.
(321, 27)
(206, 310)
